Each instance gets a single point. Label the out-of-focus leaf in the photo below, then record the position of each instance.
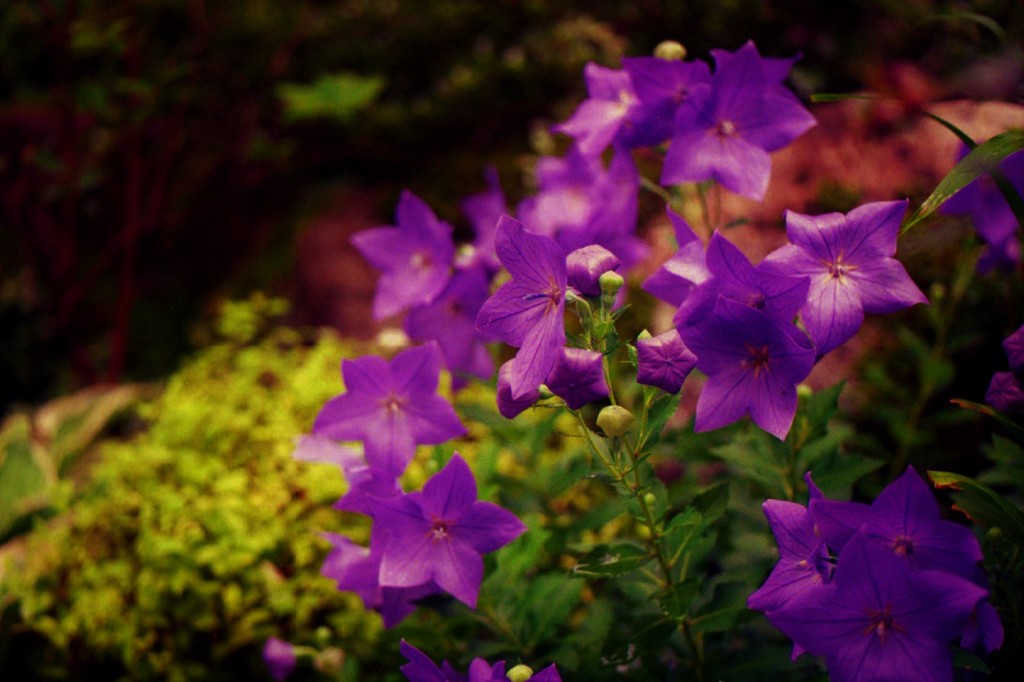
(337, 96)
(659, 413)
(985, 158)
(988, 412)
(981, 504)
(675, 600)
(26, 473)
(616, 559)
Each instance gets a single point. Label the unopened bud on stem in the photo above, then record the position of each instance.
(610, 283)
(615, 420)
(520, 673)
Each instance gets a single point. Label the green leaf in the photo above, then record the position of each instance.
(989, 412)
(981, 504)
(712, 503)
(675, 600)
(614, 559)
(338, 96)
(983, 159)
(658, 414)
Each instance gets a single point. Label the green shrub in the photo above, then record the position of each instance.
(199, 538)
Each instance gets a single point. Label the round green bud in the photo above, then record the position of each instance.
(520, 673)
(670, 50)
(994, 533)
(803, 391)
(610, 282)
(650, 499)
(615, 420)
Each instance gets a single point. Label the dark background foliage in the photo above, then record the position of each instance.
(148, 160)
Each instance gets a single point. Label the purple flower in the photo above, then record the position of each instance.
(803, 557)
(599, 118)
(391, 406)
(421, 669)
(483, 211)
(578, 377)
(527, 312)
(725, 131)
(414, 257)
(1014, 347)
(661, 86)
(734, 278)
(357, 569)
(508, 406)
(584, 267)
(579, 203)
(686, 269)
(849, 260)
(664, 361)
(451, 321)
(753, 364)
(984, 630)
(878, 620)
(365, 482)
(992, 217)
(1005, 392)
(279, 656)
(903, 520)
(441, 533)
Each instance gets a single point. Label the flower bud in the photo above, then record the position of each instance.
(670, 50)
(520, 673)
(610, 283)
(615, 420)
(804, 391)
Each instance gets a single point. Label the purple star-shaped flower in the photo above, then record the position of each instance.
(527, 312)
(733, 277)
(725, 131)
(414, 257)
(687, 267)
(391, 406)
(600, 117)
(878, 620)
(904, 519)
(803, 557)
(661, 86)
(850, 262)
(451, 321)
(441, 533)
(279, 656)
(753, 364)
(578, 377)
(664, 361)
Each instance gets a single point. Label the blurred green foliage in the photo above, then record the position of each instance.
(197, 539)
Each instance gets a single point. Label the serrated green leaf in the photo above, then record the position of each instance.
(981, 504)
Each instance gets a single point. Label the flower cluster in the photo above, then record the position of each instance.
(1006, 390)
(421, 669)
(423, 542)
(879, 590)
(739, 319)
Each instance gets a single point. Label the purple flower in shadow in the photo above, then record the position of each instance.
(753, 364)
(391, 406)
(878, 620)
(441, 533)
(279, 656)
(414, 257)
